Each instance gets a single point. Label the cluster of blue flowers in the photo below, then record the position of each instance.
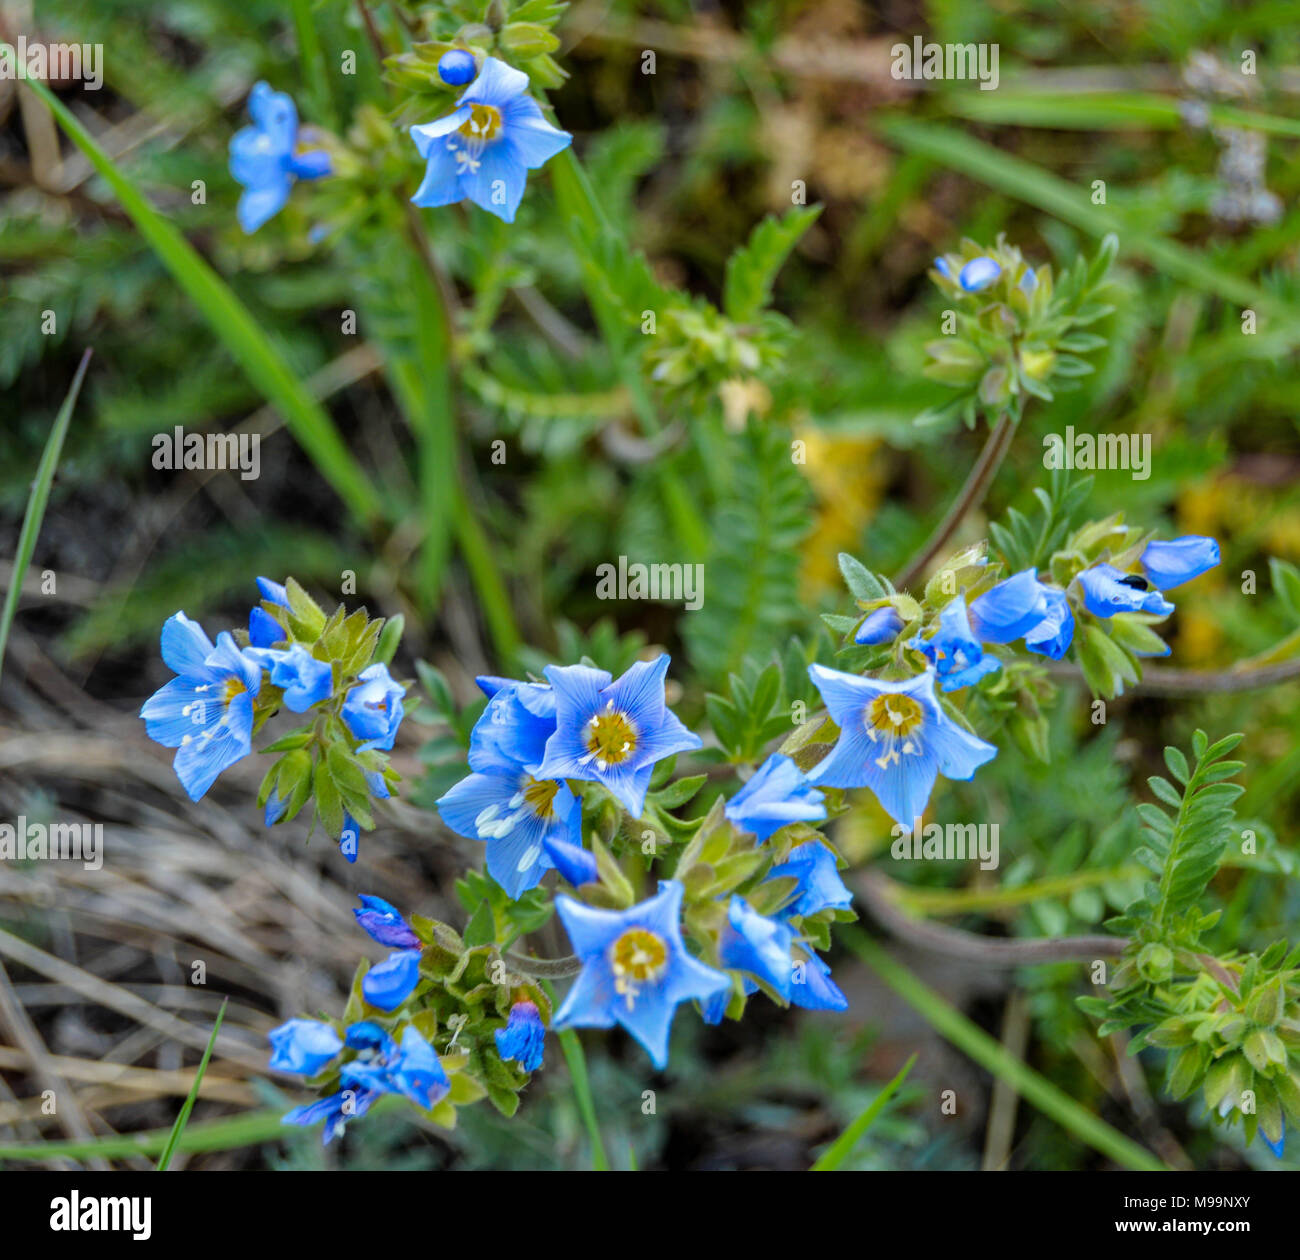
(207, 711)
(481, 151)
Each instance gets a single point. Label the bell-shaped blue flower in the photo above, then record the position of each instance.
(1052, 636)
(265, 157)
(1022, 607)
(304, 1046)
(956, 654)
(384, 924)
(1107, 591)
(1170, 564)
(978, 274)
(373, 708)
(811, 985)
(506, 802)
(612, 732)
(387, 985)
(575, 864)
(206, 712)
(413, 1072)
(305, 680)
(335, 1110)
(523, 1038)
(483, 150)
(273, 592)
(820, 886)
(263, 629)
(777, 794)
(635, 969)
(755, 943)
(894, 739)
(881, 626)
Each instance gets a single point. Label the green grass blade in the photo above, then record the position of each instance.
(843, 1145)
(249, 1129)
(36, 502)
(995, 1058)
(181, 1120)
(1031, 184)
(313, 60)
(265, 367)
(577, 1062)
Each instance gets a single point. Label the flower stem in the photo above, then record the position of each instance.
(971, 496)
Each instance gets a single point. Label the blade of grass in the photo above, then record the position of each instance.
(183, 1118)
(990, 1054)
(1111, 111)
(577, 1062)
(840, 1149)
(313, 60)
(36, 502)
(265, 367)
(1036, 187)
(248, 1129)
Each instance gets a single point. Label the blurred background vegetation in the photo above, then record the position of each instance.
(1200, 176)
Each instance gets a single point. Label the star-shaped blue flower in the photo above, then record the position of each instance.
(265, 158)
(613, 732)
(895, 739)
(820, 886)
(206, 713)
(777, 794)
(956, 654)
(483, 150)
(636, 969)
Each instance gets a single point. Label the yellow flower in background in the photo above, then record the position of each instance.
(847, 480)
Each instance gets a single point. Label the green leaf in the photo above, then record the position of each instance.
(843, 1145)
(752, 268)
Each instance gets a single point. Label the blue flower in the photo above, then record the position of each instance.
(384, 924)
(305, 680)
(1029, 281)
(457, 67)
(523, 1038)
(206, 713)
(483, 150)
(881, 626)
(263, 629)
(392, 981)
(1279, 1147)
(820, 886)
(941, 266)
(752, 942)
(812, 987)
(275, 807)
(635, 969)
(273, 592)
(978, 274)
(1023, 607)
(304, 1046)
(954, 651)
(1170, 564)
(574, 863)
(895, 739)
(506, 802)
(412, 1071)
(613, 732)
(373, 709)
(335, 1110)
(264, 157)
(1107, 591)
(349, 837)
(777, 794)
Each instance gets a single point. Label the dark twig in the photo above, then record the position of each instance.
(878, 892)
(545, 968)
(1190, 682)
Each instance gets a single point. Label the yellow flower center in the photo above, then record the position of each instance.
(610, 737)
(539, 796)
(638, 957)
(483, 124)
(892, 720)
(233, 687)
